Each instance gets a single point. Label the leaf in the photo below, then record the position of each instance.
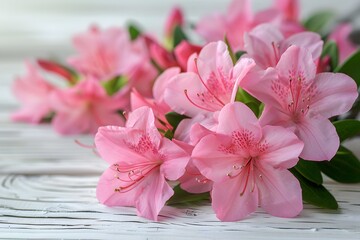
(331, 49)
(309, 170)
(180, 197)
(238, 54)
(134, 31)
(344, 167)
(351, 67)
(250, 101)
(315, 194)
(347, 128)
(115, 84)
(174, 119)
(178, 36)
(318, 21)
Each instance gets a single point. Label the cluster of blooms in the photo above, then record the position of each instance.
(230, 117)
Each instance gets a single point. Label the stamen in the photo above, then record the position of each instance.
(195, 104)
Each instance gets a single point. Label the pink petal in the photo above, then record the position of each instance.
(229, 204)
(283, 147)
(162, 82)
(153, 196)
(74, 122)
(308, 40)
(290, 9)
(112, 144)
(259, 84)
(261, 44)
(320, 138)
(297, 60)
(143, 119)
(241, 69)
(174, 19)
(275, 116)
(336, 94)
(213, 163)
(188, 104)
(214, 65)
(212, 28)
(279, 192)
(237, 116)
(193, 181)
(183, 51)
(106, 193)
(341, 35)
(175, 161)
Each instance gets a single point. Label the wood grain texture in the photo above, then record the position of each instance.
(48, 183)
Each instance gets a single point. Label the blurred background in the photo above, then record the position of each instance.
(45, 27)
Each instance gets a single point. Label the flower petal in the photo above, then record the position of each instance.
(175, 161)
(336, 94)
(229, 204)
(211, 161)
(162, 81)
(279, 192)
(237, 116)
(153, 196)
(296, 61)
(320, 138)
(283, 147)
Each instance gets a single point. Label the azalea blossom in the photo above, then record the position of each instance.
(105, 54)
(214, 83)
(297, 98)
(248, 164)
(84, 108)
(265, 44)
(141, 161)
(340, 35)
(175, 18)
(33, 91)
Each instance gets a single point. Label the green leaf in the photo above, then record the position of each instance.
(309, 170)
(315, 194)
(347, 128)
(344, 167)
(351, 67)
(238, 54)
(114, 85)
(169, 134)
(180, 197)
(134, 31)
(250, 101)
(174, 119)
(331, 49)
(318, 21)
(179, 36)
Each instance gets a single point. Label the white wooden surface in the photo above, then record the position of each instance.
(47, 182)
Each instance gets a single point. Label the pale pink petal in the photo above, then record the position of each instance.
(214, 65)
(336, 93)
(279, 192)
(193, 181)
(197, 132)
(153, 196)
(212, 27)
(72, 122)
(308, 40)
(283, 147)
(162, 82)
(209, 158)
(191, 66)
(260, 85)
(240, 70)
(320, 138)
(106, 193)
(229, 204)
(341, 35)
(298, 61)
(236, 117)
(276, 116)
(182, 95)
(113, 142)
(175, 160)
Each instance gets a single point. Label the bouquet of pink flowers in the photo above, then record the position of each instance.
(251, 118)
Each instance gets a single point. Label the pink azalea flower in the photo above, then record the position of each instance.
(141, 161)
(33, 91)
(290, 9)
(157, 104)
(248, 164)
(265, 44)
(340, 36)
(297, 98)
(84, 108)
(183, 51)
(214, 83)
(104, 54)
(175, 18)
